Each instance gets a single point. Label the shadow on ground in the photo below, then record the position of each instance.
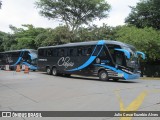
(95, 79)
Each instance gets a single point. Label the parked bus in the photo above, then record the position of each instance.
(19, 57)
(105, 59)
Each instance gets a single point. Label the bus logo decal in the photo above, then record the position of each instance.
(65, 62)
(9, 59)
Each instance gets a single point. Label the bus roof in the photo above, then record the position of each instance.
(87, 43)
(18, 50)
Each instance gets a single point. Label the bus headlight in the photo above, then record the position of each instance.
(120, 75)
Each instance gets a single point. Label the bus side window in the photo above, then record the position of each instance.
(2, 57)
(103, 53)
(98, 48)
(89, 51)
(65, 52)
(119, 58)
(79, 51)
(61, 52)
(54, 53)
(72, 52)
(16, 54)
(41, 52)
(112, 51)
(27, 57)
(49, 52)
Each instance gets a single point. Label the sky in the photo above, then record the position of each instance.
(18, 12)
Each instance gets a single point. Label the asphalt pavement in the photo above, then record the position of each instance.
(38, 91)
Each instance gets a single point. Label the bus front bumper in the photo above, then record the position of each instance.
(131, 76)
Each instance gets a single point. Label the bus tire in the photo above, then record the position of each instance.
(103, 75)
(48, 70)
(54, 71)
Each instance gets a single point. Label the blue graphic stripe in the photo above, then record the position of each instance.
(25, 63)
(143, 55)
(94, 50)
(126, 52)
(101, 42)
(100, 51)
(19, 58)
(125, 75)
(91, 59)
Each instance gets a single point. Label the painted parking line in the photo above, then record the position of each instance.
(133, 106)
(136, 103)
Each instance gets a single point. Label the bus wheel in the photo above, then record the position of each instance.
(48, 70)
(54, 71)
(103, 75)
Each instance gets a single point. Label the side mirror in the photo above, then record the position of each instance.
(126, 52)
(141, 53)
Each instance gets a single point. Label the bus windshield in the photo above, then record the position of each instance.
(133, 61)
(33, 56)
(119, 57)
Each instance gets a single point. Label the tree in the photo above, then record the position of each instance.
(73, 12)
(0, 4)
(26, 37)
(56, 36)
(145, 14)
(22, 37)
(2, 37)
(9, 42)
(95, 33)
(146, 40)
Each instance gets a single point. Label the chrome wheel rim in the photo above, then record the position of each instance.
(54, 71)
(103, 75)
(48, 70)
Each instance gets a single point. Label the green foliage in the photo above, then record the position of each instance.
(146, 40)
(73, 12)
(0, 4)
(9, 42)
(25, 38)
(59, 35)
(145, 14)
(95, 33)
(2, 37)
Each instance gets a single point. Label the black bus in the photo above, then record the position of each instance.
(104, 58)
(19, 57)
